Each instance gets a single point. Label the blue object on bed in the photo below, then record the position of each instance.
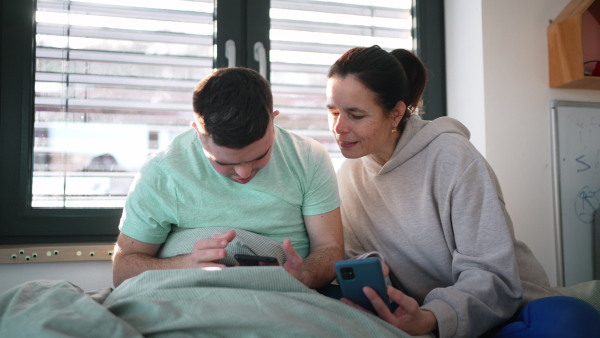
(559, 316)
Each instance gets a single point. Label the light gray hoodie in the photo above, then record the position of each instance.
(436, 213)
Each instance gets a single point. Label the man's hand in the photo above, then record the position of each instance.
(208, 251)
(294, 264)
(132, 257)
(408, 316)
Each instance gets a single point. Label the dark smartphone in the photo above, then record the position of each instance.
(250, 260)
(354, 274)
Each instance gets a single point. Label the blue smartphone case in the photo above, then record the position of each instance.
(354, 274)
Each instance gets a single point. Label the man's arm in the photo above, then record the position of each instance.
(326, 247)
(132, 257)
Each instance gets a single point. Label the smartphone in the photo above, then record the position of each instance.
(354, 274)
(250, 260)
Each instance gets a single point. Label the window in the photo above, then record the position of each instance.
(110, 78)
(112, 82)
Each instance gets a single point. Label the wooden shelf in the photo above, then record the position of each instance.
(572, 35)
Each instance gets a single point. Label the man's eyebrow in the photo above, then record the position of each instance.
(256, 159)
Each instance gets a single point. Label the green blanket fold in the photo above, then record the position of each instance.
(237, 302)
(262, 301)
(232, 302)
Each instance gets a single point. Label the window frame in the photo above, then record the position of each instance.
(20, 224)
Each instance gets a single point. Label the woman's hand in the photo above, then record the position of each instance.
(408, 316)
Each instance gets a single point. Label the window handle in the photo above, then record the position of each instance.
(230, 53)
(260, 55)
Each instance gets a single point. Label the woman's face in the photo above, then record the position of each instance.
(360, 125)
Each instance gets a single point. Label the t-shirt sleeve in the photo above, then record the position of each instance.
(322, 193)
(150, 208)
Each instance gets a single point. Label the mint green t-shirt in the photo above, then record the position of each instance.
(178, 187)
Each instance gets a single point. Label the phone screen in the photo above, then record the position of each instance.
(250, 260)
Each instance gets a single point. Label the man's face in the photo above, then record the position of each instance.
(239, 165)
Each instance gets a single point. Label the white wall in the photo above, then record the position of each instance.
(87, 275)
(515, 115)
(464, 71)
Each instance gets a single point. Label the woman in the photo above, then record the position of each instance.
(420, 194)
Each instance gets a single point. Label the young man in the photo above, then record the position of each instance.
(235, 168)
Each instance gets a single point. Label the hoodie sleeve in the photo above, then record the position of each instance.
(486, 289)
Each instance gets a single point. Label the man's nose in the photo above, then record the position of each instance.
(243, 170)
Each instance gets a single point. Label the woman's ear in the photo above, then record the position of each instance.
(397, 113)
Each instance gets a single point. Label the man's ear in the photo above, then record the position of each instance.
(198, 124)
(194, 125)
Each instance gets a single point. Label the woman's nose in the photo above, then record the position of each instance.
(339, 125)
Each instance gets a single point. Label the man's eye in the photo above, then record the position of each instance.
(334, 113)
(356, 117)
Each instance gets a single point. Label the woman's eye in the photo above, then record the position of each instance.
(334, 113)
(356, 117)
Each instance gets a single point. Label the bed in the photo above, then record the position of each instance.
(262, 301)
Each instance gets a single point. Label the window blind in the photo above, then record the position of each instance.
(113, 83)
(308, 36)
(114, 80)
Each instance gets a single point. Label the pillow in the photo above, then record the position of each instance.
(559, 316)
(181, 242)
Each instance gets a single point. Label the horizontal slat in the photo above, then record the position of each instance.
(339, 39)
(166, 118)
(117, 80)
(124, 57)
(122, 34)
(129, 70)
(201, 13)
(308, 47)
(286, 67)
(115, 104)
(336, 28)
(367, 9)
(368, 20)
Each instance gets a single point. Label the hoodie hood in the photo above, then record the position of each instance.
(417, 135)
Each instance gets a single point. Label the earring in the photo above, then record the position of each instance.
(393, 130)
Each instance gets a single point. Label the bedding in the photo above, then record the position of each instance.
(262, 301)
(231, 302)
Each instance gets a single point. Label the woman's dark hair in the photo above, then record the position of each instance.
(236, 106)
(395, 76)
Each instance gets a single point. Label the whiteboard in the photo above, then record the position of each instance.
(576, 176)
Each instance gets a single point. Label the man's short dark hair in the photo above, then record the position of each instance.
(235, 106)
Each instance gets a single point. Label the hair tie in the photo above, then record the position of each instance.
(412, 110)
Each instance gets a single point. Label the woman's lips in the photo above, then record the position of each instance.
(346, 145)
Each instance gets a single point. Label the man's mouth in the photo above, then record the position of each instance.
(244, 180)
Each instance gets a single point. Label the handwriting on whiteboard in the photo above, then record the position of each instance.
(586, 203)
